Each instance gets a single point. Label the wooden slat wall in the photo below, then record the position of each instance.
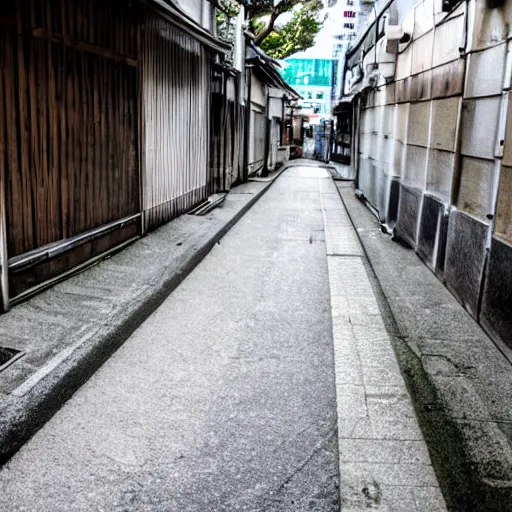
(71, 151)
(227, 138)
(176, 92)
(105, 24)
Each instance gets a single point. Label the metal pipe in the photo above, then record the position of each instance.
(245, 170)
(290, 131)
(283, 120)
(71, 272)
(48, 252)
(266, 151)
(4, 277)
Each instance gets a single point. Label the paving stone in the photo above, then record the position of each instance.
(429, 499)
(386, 390)
(407, 475)
(348, 374)
(350, 389)
(375, 375)
(352, 406)
(385, 428)
(397, 408)
(383, 451)
(383, 456)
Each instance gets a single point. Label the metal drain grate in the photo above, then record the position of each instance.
(8, 356)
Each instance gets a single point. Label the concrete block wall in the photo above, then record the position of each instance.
(436, 152)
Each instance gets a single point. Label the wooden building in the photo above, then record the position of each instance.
(103, 133)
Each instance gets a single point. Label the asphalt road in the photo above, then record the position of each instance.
(224, 399)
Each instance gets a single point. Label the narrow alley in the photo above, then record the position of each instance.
(256, 255)
(225, 398)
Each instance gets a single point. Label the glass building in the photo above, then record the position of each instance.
(311, 78)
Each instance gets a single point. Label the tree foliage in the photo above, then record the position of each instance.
(275, 39)
(296, 35)
(264, 15)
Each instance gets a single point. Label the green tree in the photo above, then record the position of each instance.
(275, 39)
(281, 40)
(295, 36)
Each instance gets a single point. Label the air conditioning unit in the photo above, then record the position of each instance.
(394, 32)
(386, 60)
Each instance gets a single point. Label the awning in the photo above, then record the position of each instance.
(179, 19)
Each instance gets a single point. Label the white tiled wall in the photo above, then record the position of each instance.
(479, 120)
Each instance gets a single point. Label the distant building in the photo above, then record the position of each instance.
(311, 78)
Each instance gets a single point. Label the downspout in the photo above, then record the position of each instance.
(290, 132)
(266, 151)
(356, 130)
(283, 120)
(248, 72)
(4, 264)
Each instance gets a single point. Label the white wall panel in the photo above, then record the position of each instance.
(401, 120)
(415, 166)
(403, 64)
(476, 187)
(445, 113)
(440, 173)
(485, 71)
(423, 18)
(422, 53)
(479, 123)
(419, 118)
(490, 26)
(507, 150)
(448, 38)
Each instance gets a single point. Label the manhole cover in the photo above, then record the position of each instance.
(8, 356)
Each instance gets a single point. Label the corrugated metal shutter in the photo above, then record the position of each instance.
(176, 92)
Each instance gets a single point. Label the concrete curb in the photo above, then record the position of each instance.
(30, 406)
(473, 462)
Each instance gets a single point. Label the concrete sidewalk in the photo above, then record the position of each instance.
(261, 378)
(460, 381)
(68, 331)
(384, 461)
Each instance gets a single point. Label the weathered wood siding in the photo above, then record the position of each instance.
(68, 111)
(176, 92)
(227, 137)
